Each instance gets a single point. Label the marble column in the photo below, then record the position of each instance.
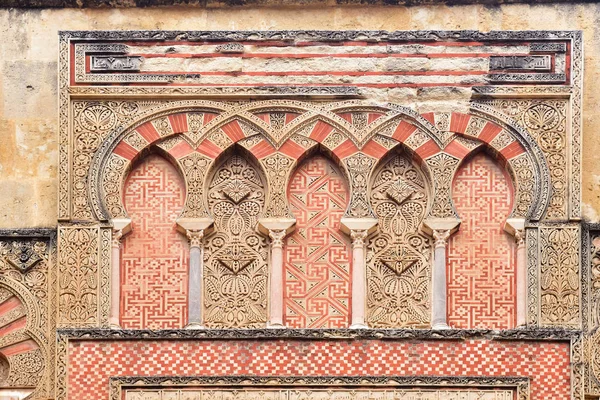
(521, 279)
(440, 229)
(276, 229)
(195, 320)
(358, 229)
(516, 228)
(121, 227)
(439, 298)
(195, 230)
(276, 282)
(359, 279)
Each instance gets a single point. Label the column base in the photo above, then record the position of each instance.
(194, 325)
(114, 326)
(359, 326)
(276, 326)
(440, 325)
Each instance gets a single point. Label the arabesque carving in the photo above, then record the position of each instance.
(399, 265)
(559, 276)
(546, 122)
(235, 267)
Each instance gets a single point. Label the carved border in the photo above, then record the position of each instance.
(576, 123)
(533, 277)
(551, 334)
(520, 384)
(324, 35)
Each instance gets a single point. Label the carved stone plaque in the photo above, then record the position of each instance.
(317, 394)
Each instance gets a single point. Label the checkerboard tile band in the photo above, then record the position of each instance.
(92, 363)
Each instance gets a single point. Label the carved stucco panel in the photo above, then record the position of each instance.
(442, 167)
(559, 276)
(235, 257)
(78, 261)
(399, 257)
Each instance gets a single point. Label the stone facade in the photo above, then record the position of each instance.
(415, 195)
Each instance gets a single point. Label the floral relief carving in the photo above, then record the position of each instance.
(398, 271)
(546, 122)
(78, 282)
(595, 282)
(236, 255)
(26, 369)
(559, 276)
(194, 168)
(359, 167)
(277, 167)
(442, 168)
(111, 184)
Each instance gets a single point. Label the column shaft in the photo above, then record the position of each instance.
(358, 279)
(276, 287)
(521, 279)
(439, 281)
(115, 280)
(195, 319)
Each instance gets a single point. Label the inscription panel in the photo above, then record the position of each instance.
(316, 394)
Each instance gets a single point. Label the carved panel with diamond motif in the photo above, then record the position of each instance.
(399, 264)
(235, 271)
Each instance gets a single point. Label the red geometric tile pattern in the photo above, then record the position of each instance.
(481, 256)
(317, 254)
(154, 264)
(91, 363)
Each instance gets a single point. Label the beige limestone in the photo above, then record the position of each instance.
(28, 55)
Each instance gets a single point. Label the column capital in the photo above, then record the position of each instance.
(120, 228)
(441, 237)
(358, 237)
(277, 237)
(516, 228)
(195, 237)
(194, 224)
(266, 225)
(358, 224)
(520, 237)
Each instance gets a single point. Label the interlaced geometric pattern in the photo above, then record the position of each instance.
(317, 254)
(481, 256)
(91, 363)
(155, 256)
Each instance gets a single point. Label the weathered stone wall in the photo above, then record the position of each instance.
(28, 62)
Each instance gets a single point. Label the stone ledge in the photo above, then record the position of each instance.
(229, 3)
(552, 334)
